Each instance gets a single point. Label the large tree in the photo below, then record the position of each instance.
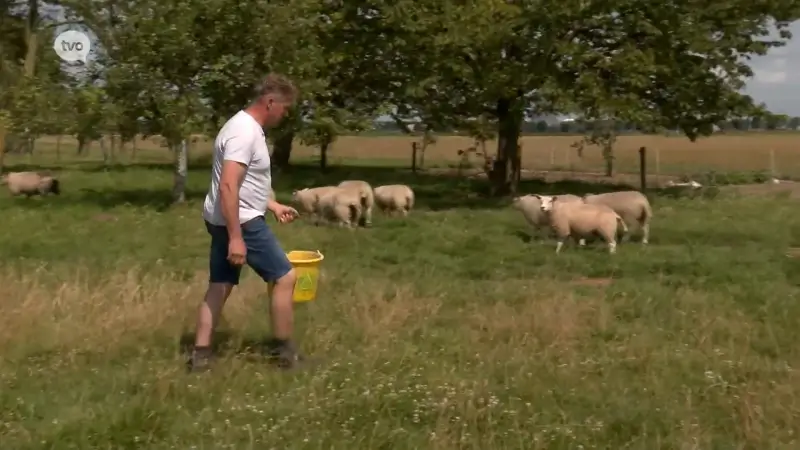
(653, 64)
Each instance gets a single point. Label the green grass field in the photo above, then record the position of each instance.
(452, 329)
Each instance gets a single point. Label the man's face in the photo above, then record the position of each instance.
(277, 107)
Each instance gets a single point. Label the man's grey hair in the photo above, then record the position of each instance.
(276, 84)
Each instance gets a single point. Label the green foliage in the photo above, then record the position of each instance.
(641, 63)
(88, 110)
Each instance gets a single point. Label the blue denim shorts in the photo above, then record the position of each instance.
(264, 254)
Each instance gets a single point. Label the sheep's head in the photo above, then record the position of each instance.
(298, 194)
(547, 201)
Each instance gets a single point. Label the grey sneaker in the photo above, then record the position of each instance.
(199, 362)
(285, 355)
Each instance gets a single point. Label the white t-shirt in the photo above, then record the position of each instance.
(241, 139)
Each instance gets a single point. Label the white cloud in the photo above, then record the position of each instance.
(777, 77)
(771, 72)
(764, 76)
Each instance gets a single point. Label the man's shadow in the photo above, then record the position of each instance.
(225, 342)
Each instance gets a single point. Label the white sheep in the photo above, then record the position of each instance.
(341, 206)
(582, 220)
(364, 190)
(307, 200)
(31, 183)
(531, 207)
(394, 199)
(632, 206)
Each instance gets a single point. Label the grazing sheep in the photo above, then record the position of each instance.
(364, 190)
(531, 207)
(394, 199)
(341, 206)
(581, 220)
(632, 206)
(307, 200)
(31, 183)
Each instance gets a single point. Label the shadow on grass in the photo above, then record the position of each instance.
(433, 191)
(97, 167)
(159, 200)
(155, 199)
(225, 342)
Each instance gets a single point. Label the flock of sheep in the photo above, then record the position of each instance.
(350, 204)
(591, 215)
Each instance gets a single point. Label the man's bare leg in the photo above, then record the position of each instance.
(282, 315)
(208, 315)
(210, 311)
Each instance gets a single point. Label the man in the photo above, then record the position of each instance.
(234, 211)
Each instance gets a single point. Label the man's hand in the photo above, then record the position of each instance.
(237, 251)
(283, 213)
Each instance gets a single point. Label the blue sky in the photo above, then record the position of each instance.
(777, 77)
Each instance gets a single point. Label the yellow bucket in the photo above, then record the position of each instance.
(306, 264)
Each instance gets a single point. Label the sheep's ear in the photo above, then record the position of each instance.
(539, 197)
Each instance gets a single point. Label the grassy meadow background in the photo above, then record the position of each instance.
(456, 328)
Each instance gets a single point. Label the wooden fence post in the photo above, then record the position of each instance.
(414, 146)
(643, 168)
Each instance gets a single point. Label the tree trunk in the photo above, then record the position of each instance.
(58, 148)
(112, 148)
(181, 153)
(608, 157)
(81, 145)
(504, 175)
(133, 150)
(323, 156)
(2, 146)
(31, 38)
(283, 149)
(29, 148)
(104, 150)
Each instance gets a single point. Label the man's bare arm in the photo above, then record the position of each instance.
(229, 182)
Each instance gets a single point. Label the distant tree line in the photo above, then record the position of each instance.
(771, 122)
(173, 69)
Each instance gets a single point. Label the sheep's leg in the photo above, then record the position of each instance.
(645, 233)
(367, 219)
(582, 242)
(612, 247)
(559, 245)
(626, 235)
